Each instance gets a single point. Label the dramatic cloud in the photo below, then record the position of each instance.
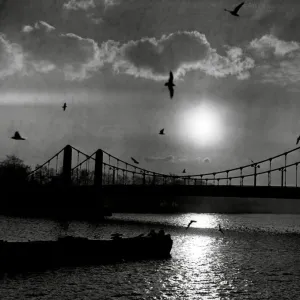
(38, 25)
(169, 158)
(268, 45)
(280, 62)
(79, 4)
(88, 4)
(48, 49)
(27, 28)
(181, 52)
(11, 57)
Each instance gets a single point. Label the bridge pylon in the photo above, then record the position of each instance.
(98, 168)
(67, 165)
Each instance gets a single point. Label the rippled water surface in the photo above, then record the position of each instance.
(257, 258)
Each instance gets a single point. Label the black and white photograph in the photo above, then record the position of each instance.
(149, 149)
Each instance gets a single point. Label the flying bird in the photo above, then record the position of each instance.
(190, 224)
(17, 137)
(162, 131)
(235, 11)
(258, 166)
(298, 139)
(64, 106)
(184, 171)
(220, 229)
(135, 161)
(170, 85)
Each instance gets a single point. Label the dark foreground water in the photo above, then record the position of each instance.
(257, 258)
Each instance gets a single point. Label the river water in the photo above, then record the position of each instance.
(257, 258)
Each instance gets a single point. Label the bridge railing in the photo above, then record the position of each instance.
(102, 168)
(118, 171)
(44, 173)
(274, 175)
(84, 172)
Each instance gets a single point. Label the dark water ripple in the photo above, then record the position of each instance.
(258, 258)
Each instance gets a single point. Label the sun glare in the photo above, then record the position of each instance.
(203, 125)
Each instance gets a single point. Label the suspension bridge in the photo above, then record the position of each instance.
(274, 177)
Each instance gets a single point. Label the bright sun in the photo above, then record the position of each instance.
(203, 125)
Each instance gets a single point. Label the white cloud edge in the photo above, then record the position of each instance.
(218, 66)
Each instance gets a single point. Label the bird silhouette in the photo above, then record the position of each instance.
(220, 229)
(298, 139)
(170, 85)
(235, 11)
(162, 131)
(17, 137)
(192, 221)
(184, 171)
(64, 106)
(253, 164)
(134, 160)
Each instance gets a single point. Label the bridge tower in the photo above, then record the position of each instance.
(98, 168)
(255, 174)
(67, 165)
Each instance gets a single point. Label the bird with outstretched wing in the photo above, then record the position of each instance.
(17, 136)
(162, 131)
(191, 222)
(170, 84)
(236, 9)
(134, 160)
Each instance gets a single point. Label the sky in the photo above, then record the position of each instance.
(237, 80)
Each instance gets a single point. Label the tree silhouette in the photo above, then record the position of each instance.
(13, 171)
(43, 176)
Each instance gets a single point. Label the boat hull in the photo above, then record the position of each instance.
(71, 251)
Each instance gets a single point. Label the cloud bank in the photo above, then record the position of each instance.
(180, 52)
(79, 4)
(44, 49)
(279, 59)
(11, 57)
(88, 4)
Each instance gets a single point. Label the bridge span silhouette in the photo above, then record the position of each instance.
(274, 177)
(76, 185)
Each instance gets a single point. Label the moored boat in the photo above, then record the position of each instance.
(74, 251)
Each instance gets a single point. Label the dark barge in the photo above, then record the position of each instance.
(75, 251)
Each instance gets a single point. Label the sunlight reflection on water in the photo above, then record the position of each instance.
(204, 264)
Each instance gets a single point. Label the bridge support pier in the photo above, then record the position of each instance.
(255, 174)
(67, 165)
(98, 168)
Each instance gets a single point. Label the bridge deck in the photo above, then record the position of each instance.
(213, 191)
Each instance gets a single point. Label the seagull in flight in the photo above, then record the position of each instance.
(235, 11)
(298, 139)
(134, 160)
(17, 137)
(220, 229)
(192, 221)
(162, 131)
(258, 166)
(184, 171)
(170, 85)
(64, 106)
